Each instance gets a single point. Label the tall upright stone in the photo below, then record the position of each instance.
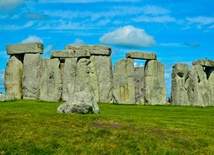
(51, 83)
(69, 78)
(155, 89)
(123, 82)
(103, 67)
(97, 55)
(31, 76)
(199, 90)
(13, 76)
(180, 83)
(86, 77)
(139, 84)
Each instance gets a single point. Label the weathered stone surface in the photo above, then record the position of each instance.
(123, 82)
(82, 102)
(70, 53)
(50, 83)
(141, 55)
(69, 78)
(155, 89)
(199, 90)
(180, 83)
(139, 84)
(103, 67)
(31, 76)
(25, 48)
(93, 49)
(86, 78)
(204, 62)
(13, 76)
(4, 98)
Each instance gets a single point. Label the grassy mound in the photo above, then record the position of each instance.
(33, 127)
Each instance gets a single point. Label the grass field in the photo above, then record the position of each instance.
(32, 127)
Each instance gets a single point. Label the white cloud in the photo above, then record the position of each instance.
(78, 42)
(103, 22)
(109, 12)
(84, 1)
(137, 64)
(128, 36)
(171, 45)
(159, 19)
(60, 25)
(9, 4)
(154, 10)
(191, 44)
(48, 49)
(1, 74)
(35, 16)
(32, 39)
(16, 27)
(201, 20)
(146, 10)
(168, 80)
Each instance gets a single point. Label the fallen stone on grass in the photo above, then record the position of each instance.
(82, 102)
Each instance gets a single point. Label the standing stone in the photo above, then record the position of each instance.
(123, 82)
(103, 67)
(180, 75)
(155, 89)
(31, 76)
(13, 76)
(50, 85)
(69, 78)
(199, 89)
(139, 84)
(86, 78)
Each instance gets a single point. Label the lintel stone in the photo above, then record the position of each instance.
(29, 48)
(204, 62)
(141, 55)
(70, 53)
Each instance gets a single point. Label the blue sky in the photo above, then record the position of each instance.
(177, 31)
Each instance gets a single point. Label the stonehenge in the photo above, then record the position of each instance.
(88, 68)
(66, 72)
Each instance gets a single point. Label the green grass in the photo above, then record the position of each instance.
(32, 127)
